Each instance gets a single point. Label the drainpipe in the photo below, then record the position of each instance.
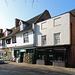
(33, 29)
(71, 34)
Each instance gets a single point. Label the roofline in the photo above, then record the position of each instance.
(59, 15)
(40, 16)
(64, 13)
(23, 32)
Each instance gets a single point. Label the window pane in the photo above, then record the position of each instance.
(3, 42)
(57, 38)
(25, 37)
(43, 25)
(8, 41)
(14, 39)
(43, 40)
(57, 21)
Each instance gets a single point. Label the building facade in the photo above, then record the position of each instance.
(55, 40)
(3, 48)
(42, 40)
(20, 39)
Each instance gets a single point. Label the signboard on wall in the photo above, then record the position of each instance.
(22, 50)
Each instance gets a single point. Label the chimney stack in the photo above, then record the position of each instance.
(16, 23)
(1, 30)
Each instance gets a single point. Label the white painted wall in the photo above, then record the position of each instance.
(50, 30)
(12, 53)
(19, 40)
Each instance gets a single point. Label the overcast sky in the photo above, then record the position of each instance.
(24, 10)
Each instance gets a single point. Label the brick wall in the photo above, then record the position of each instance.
(72, 50)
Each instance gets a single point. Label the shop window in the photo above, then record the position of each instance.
(56, 38)
(14, 39)
(25, 37)
(44, 40)
(29, 50)
(8, 41)
(41, 55)
(16, 53)
(59, 55)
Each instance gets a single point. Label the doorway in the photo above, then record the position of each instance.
(22, 56)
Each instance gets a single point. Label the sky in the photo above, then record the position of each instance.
(24, 10)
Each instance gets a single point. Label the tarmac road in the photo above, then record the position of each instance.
(11, 69)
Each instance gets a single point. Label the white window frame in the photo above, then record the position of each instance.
(25, 38)
(13, 39)
(56, 38)
(42, 26)
(57, 19)
(42, 40)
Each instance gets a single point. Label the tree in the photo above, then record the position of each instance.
(25, 2)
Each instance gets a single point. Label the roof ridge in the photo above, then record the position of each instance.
(33, 17)
(40, 16)
(71, 10)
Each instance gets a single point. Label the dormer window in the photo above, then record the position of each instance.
(8, 31)
(8, 41)
(22, 25)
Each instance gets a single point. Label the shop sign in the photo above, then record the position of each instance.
(50, 55)
(22, 50)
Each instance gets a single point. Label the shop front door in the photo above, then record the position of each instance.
(22, 55)
(49, 55)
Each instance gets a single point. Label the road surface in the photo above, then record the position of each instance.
(11, 69)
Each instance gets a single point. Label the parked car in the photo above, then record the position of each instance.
(1, 60)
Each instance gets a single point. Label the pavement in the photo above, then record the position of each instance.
(71, 71)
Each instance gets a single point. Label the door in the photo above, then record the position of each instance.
(40, 57)
(49, 55)
(9, 55)
(22, 55)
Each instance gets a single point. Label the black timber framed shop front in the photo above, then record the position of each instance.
(53, 55)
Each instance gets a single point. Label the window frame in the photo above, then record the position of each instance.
(27, 38)
(56, 39)
(42, 26)
(3, 42)
(43, 41)
(54, 21)
(13, 37)
(9, 41)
